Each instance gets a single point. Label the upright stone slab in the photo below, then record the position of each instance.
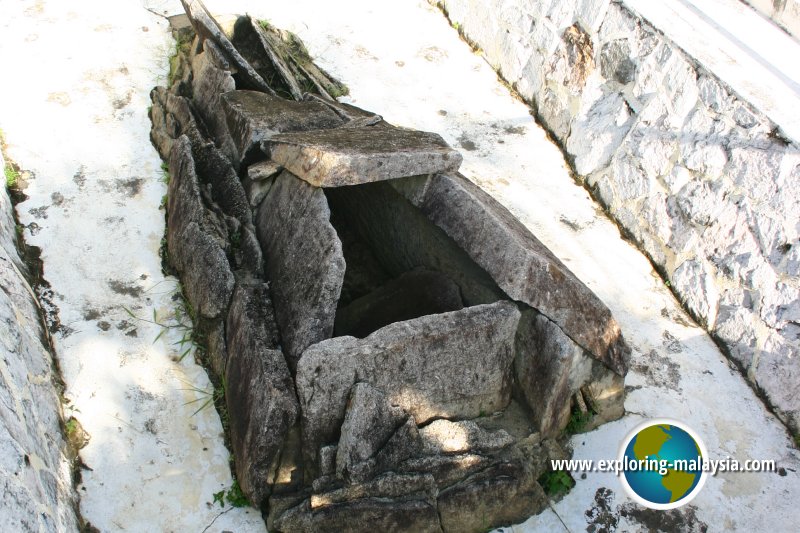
(303, 262)
(522, 266)
(253, 117)
(452, 365)
(207, 28)
(211, 77)
(350, 156)
(260, 392)
(196, 239)
(369, 423)
(546, 359)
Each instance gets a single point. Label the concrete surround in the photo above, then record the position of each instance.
(702, 180)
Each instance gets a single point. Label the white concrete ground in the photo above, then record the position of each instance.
(74, 113)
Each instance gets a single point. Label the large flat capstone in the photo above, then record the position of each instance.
(303, 262)
(451, 365)
(349, 156)
(254, 116)
(521, 265)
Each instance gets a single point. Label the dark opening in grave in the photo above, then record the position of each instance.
(399, 265)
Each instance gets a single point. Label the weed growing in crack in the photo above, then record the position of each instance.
(12, 175)
(180, 321)
(556, 482)
(233, 496)
(206, 397)
(182, 45)
(165, 173)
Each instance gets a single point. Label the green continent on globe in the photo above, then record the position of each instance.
(677, 483)
(649, 441)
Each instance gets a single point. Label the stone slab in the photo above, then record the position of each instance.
(195, 240)
(446, 436)
(206, 27)
(473, 347)
(303, 262)
(505, 493)
(365, 515)
(369, 422)
(522, 266)
(350, 156)
(253, 117)
(260, 396)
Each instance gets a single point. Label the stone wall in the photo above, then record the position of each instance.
(704, 183)
(37, 493)
(785, 13)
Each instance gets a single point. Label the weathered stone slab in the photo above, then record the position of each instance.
(550, 368)
(349, 156)
(413, 294)
(408, 361)
(260, 393)
(195, 239)
(215, 173)
(207, 28)
(391, 485)
(303, 262)
(545, 359)
(505, 493)
(258, 181)
(365, 515)
(253, 117)
(209, 82)
(445, 436)
(522, 266)
(403, 444)
(369, 422)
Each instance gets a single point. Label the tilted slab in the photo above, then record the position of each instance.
(349, 156)
(253, 117)
(260, 393)
(452, 365)
(207, 28)
(196, 238)
(303, 262)
(521, 265)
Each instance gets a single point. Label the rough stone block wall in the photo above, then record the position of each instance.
(705, 184)
(37, 492)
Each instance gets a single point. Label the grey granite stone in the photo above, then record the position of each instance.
(196, 240)
(253, 117)
(349, 156)
(260, 395)
(523, 267)
(409, 361)
(303, 262)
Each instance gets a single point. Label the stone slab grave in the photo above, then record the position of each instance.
(398, 352)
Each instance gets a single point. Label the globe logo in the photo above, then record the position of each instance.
(662, 464)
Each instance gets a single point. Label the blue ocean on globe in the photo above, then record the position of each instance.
(663, 442)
